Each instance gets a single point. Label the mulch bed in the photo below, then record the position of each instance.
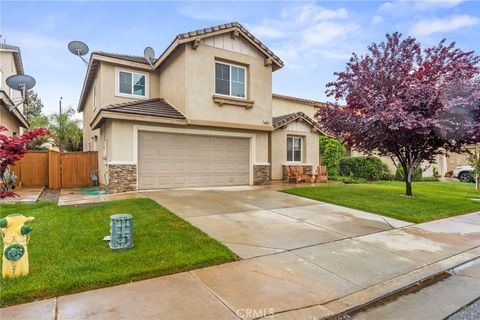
(49, 194)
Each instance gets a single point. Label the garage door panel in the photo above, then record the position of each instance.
(176, 160)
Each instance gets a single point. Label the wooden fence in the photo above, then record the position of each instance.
(55, 169)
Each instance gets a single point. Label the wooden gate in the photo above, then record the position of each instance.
(32, 169)
(76, 168)
(55, 170)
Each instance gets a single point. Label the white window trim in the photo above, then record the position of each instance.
(126, 95)
(230, 79)
(302, 142)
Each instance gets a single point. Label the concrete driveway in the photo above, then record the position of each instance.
(303, 259)
(255, 221)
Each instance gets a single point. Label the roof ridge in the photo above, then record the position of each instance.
(132, 103)
(296, 99)
(120, 54)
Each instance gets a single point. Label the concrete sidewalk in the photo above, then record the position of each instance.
(313, 281)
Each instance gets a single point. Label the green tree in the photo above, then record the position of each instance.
(33, 106)
(35, 123)
(66, 130)
(331, 151)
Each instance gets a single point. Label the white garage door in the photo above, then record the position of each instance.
(169, 160)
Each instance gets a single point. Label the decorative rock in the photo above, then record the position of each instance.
(122, 178)
(261, 174)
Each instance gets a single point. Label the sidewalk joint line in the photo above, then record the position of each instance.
(214, 294)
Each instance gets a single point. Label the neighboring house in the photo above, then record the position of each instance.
(202, 114)
(10, 64)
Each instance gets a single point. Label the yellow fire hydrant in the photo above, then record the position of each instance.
(15, 237)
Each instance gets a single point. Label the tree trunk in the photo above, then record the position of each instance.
(477, 182)
(408, 176)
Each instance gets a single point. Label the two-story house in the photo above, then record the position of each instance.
(10, 64)
(201, 114)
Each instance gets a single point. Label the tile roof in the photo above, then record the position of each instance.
(157, 107)
(127, 57)
(8, 47)
(299, 100)
(201, 32)
(280, 121)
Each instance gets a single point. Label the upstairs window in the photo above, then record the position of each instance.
(294, 149)
(230, 80)
(132, 83)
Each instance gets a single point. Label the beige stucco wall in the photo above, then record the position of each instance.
(281, 107)
(7, 68)
(200, 87)
(105, 85)
(172, 80)
(107, 76)
(9, 122)
(310, 154)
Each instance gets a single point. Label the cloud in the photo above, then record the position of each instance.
(202, 11)
(400, 7)
(432, 4)
(301, 34)
(377, 19)
(430, 26)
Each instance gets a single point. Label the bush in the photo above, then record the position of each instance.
(331, 151)
(416, 178)
(347, 180)
(429, 179)
(369, 168)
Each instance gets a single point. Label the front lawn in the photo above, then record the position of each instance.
(430, 201)
(67, 253)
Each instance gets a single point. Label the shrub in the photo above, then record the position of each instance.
(429, 179)
(347, 180)
(331, 151)
(369, 168)
(435, 172)
(416, 178)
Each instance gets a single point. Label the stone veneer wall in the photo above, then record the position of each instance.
(261, 174)
(307, 169)
(122, 178)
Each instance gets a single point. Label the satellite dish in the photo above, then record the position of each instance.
(22, 83)
(78, 48)
(149, 54)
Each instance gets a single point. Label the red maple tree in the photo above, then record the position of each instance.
(12, 149)
(406, 103)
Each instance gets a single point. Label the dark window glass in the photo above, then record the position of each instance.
(125, 82)
(222, 79)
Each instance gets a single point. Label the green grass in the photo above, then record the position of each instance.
(67, 253)
(430, 201)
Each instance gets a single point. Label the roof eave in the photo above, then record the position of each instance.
(102, 115)
(277, 63)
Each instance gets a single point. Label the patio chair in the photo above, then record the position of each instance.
(299, 175)
(320, 175)
(291, 173)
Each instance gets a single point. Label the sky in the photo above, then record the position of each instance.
(314, 39)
